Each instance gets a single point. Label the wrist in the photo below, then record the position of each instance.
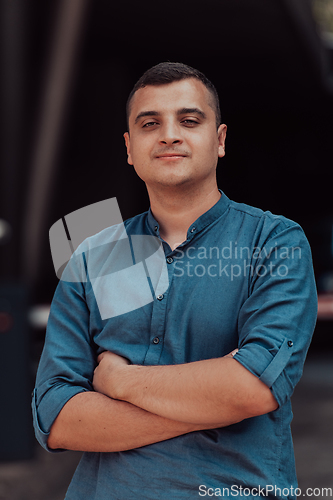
(124, 383)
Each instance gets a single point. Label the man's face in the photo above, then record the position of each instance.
(172, 139)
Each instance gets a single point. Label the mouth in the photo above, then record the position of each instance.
(170, 156)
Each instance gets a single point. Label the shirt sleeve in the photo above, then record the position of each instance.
(68, 358)
(277, 320)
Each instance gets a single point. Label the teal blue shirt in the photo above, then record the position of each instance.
(242, 279)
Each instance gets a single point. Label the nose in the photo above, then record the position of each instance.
(170, 134)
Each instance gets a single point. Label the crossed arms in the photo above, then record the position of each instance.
(134, 406)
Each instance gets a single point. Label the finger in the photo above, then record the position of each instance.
(101, 356)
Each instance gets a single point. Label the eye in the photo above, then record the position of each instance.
(190, 123)
(149, 124)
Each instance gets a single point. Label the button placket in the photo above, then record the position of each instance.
(158, 320)
(157, 330)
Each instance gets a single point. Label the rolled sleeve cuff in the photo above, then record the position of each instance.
(269, 368)
(50, 412)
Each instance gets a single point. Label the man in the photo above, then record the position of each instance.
(188, 395)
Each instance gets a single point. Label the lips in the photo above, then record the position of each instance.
(171, 155)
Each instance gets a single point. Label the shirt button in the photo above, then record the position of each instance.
(160, 297)
(169, 260)
(155, 228)
(193, 229)
(156, 340)
(290, 343)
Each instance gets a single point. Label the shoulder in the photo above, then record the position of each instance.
(259, 214)
(257, 228)
(262, 220)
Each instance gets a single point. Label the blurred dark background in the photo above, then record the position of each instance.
(273, 72)
(66, 70)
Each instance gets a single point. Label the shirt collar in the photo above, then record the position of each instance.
(203, 221)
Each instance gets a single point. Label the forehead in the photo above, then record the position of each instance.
(187, 93)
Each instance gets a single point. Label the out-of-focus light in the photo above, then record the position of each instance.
(6, 321)
(325, 306)
(39, 315)
(5, 231)
(323, 13)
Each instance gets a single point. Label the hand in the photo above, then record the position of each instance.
(109, 374)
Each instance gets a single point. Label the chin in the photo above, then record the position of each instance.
(180, 188)
(172, 182)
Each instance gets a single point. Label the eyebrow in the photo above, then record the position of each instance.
(146, 113)
(191, 111)
(182, 111)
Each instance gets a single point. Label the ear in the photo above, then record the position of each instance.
(127, 142)
(221, 134)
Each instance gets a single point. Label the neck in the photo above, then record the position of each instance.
(176, 210)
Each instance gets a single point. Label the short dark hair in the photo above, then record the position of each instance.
(168, 72)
